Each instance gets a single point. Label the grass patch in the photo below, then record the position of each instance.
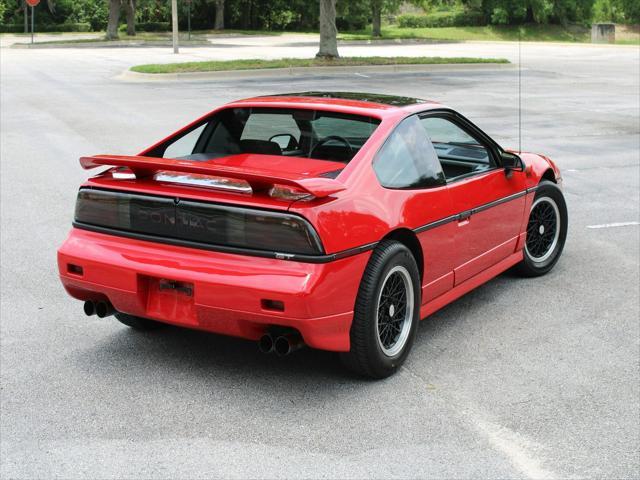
(530, 33)
(218, 66)
(628, 41)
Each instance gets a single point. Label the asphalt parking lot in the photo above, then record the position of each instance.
(522, 378)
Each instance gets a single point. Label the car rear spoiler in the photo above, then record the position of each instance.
(147, 166)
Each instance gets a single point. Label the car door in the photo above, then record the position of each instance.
(488, 200)
(408, 168)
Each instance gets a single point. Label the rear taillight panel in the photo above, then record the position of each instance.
(201, 222)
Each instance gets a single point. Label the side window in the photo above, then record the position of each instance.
(407, 159)
(185, 145)
(460, 154)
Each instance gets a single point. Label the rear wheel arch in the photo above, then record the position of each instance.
(410, 240)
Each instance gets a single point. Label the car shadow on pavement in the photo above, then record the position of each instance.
(171, 349)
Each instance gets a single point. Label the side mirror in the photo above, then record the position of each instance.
(512, 162)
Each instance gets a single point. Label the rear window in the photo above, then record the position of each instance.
(286, 132)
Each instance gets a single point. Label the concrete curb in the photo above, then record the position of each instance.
(125, 44)
(130, 76)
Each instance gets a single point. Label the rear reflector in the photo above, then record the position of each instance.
(75, 269)
(276, 305)
(201, 222)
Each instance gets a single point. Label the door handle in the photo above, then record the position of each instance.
(464, 215)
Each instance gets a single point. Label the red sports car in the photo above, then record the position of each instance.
(333, 220)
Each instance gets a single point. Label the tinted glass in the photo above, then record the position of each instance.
(459, 153)
(272, 131)
(326, 125)
(184, 145)
(408, 159)
(205, 223)
(264, 126)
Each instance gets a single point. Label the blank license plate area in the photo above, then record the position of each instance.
(170, 300)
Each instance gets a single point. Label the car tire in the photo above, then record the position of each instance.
(384, 325)
(138, 323)
(546, 231)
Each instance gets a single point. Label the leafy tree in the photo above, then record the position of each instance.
(378, 7)
(533, 11)
(631, 9)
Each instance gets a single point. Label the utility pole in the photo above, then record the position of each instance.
(174, 24)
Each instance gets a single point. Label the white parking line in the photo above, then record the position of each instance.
(613, 225)
(522, 453)
(516, 448)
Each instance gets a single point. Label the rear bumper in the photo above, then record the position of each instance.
(230, 293)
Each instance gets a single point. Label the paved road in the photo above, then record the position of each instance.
(521, 378)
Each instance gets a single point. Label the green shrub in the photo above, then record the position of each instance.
(442, 19)
(148, 27)
(11, 28)
(61, 27)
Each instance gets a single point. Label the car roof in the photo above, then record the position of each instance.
(373, 103)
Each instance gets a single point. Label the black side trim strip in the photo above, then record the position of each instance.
(354, 251)
(500, 201)
(467, 213)
(435, 224)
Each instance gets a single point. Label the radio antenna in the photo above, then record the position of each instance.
(519, 89)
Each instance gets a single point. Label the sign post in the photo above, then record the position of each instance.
(32, 4)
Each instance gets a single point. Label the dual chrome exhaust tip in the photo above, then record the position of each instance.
(101, 309)
(282, 345)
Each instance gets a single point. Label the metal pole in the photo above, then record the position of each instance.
(174, 24)
(32, 22)
(189, 19)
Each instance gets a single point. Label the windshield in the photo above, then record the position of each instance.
(287, 132)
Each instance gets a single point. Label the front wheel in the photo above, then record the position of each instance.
(546, 231)
(386, 313)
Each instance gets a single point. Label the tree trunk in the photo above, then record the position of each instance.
(25, 9)
(376, 21)
(130, 10)
(114, 19)
(219, 21)
(244, 20)
(328, 30)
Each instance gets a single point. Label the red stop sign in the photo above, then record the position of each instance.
(32, 3)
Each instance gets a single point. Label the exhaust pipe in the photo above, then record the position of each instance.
(265, 344)
(286, 344)
(89, 308)
(104, 309)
